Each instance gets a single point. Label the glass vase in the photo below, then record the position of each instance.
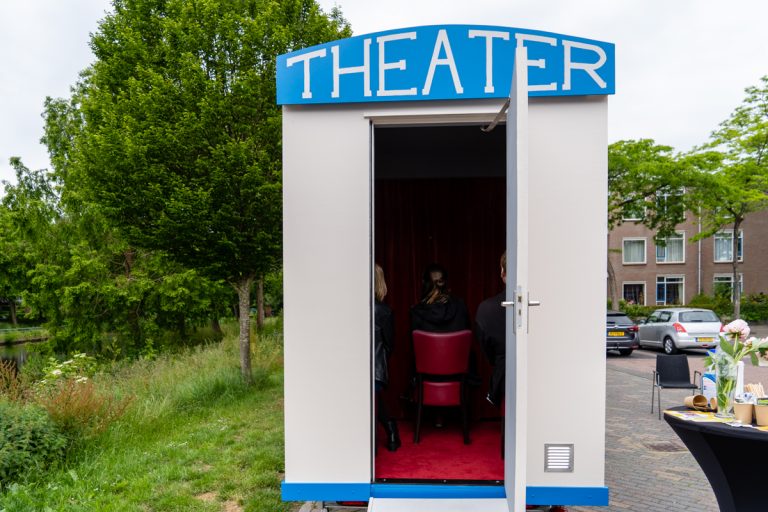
(725, 385)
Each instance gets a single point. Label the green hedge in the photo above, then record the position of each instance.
(754, 307)
(29, 441)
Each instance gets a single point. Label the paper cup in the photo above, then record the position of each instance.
(761, 415)
(743, 412)
(696, 402)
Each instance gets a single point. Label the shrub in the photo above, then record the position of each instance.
(29, 440)
(80, 367)
(636, 311)
(78, 409)
(754, 307)
(720, 304)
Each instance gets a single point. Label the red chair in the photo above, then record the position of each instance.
(442, 361)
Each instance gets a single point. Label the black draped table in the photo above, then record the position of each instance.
(735, 460)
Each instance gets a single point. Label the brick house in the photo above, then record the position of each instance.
(651, 275)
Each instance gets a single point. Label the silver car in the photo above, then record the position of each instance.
(677, 328)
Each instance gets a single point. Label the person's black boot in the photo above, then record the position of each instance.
(393, 435)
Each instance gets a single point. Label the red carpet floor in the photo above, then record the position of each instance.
(442, 454)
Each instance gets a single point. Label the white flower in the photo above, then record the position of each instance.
(56, 372)
(738, 328)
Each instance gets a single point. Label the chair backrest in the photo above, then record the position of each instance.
(442, 353)
(673, 369)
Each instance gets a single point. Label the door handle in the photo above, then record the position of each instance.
(508, 304)
(531, 303)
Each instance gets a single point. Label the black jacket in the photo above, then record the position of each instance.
(490, 331)
(440, 317)
(384, 340)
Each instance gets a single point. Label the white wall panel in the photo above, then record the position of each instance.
(327, 295)
(568, 251)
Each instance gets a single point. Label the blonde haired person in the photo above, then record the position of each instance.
(384, 335)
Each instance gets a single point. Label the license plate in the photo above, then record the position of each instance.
(705, 340)
(615, 333)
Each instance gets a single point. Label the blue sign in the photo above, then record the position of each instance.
(443, 62)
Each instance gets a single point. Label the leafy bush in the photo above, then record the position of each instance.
(754, 308)
(636, 311)
(29, 440)
(720, 304)
(80, 367)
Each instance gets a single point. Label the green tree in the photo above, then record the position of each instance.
(94, 291)
(646, 182)
(175, 135)
(28, 211)
(733, 177)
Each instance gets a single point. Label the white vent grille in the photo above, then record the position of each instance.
(558, 458)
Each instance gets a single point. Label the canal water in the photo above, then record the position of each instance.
(16, 354)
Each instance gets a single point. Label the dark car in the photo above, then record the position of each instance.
(620, 333)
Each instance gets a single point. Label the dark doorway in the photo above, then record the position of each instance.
(440, 197)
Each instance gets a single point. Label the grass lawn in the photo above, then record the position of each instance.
(193, 438)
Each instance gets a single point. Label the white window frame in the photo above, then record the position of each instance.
(714, 245)
(634, 219)
(645, 288)
(661, 262)
(723, 275)
(656, 289)
(645, 250)
(666, 195)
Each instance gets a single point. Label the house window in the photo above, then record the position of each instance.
(669, 290)
(673, 251)
(724, 246)
(671, 203)
(633, 251)
(634, 293)
(723, 285)
(633, 212)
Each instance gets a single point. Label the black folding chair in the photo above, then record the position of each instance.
(672, 372)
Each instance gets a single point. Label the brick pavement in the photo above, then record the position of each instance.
(641, 478)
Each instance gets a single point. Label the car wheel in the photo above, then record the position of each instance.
(625, 351)
(669, 346)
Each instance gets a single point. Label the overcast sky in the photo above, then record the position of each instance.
(681, 65)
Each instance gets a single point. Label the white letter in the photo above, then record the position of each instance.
(539, 63)
(305, 57)
(488, 35)
(442, 41)
(384, 65)
(365, 69)
(589, 68)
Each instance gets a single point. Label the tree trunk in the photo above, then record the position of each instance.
(243, 288)
(735, 284)
(12, 306)
(215, 325)
(260, 302)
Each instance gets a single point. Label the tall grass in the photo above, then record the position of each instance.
(194, 437)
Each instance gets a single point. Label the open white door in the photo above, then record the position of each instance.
(517, 302)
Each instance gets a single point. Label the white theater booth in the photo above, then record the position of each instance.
(398, 149)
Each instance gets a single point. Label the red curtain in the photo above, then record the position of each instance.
(456, 222)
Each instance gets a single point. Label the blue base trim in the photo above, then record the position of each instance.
(436, 491)
(302, 491)
(595, 496)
